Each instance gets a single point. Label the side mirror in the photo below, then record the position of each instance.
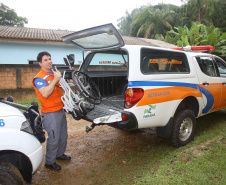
(71, 59)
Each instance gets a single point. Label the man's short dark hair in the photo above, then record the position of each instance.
(41, 54)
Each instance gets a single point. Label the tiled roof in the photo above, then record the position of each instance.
(13, 32)
(137, 41)
(159, 43)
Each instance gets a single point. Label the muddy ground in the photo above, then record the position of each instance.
(91, 152)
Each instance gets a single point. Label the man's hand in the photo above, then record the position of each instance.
(57, 75)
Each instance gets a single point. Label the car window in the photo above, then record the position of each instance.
(108, 62)
(158, 61)
(221, 67)
(207, 66)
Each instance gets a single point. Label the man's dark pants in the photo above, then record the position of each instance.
(55, 124)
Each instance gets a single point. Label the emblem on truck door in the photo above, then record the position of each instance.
(149, 111)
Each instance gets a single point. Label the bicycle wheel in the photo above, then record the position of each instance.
(86, 87)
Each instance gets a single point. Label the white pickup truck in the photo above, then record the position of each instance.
(21, 135)
(144, 87)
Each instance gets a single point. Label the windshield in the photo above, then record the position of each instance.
(97, 41)
(102, 37)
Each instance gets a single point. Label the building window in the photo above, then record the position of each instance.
(32, 62)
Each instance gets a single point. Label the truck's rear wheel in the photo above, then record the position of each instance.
(183, 128)
(10, 174)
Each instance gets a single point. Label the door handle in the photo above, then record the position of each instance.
(205, 83)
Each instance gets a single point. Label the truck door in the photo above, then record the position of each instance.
(209, 80)
(221, 68)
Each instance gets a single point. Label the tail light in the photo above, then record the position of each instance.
(133, 96)
(125, 117)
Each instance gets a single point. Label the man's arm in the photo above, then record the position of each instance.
(48, 90)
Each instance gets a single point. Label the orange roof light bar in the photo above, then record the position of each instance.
(195, 48)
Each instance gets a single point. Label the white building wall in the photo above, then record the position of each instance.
(21, 53)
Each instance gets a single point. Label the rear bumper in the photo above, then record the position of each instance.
(129, 124)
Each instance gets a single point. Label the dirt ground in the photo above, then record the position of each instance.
(91, 151)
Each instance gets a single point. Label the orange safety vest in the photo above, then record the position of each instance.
(53, 103)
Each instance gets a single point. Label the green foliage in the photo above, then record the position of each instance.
(198, 34)
(219, 15)
(148, 21)
(124, 24)
(28, 102)
(8, 17)
(159, 37)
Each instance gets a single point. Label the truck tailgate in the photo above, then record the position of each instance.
(108, 107)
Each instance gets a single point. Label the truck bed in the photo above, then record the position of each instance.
(103, 109)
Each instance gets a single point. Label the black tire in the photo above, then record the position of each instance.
(82, 108)
(76, 114)
(86, 87)
(89, 106)
(183, 128)
(10, 174)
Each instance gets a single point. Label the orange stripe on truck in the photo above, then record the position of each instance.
(160, 95)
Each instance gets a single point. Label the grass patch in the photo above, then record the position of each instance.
(203, 161)
(28, 102)
(198, 166)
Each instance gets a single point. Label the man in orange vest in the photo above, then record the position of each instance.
(46, 85)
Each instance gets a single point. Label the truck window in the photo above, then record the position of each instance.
(108, 62)
(206, 64)
(159, 61)
(221, 67)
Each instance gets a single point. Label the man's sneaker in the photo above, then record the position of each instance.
(64, 157)
(53, 166)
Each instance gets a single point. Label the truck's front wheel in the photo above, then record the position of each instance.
(10, 174)
(183, 128)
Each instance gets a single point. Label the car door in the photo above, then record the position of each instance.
(221, 67)
(97, 38)
(210, 82)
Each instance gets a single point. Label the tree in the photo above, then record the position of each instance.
(151, 22)
(219, 15)
(124, 23)
(199, 10)
(8, 17)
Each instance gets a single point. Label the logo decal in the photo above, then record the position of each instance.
(39, 83)
(49, 82)
(2, 123)
(148, 111)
